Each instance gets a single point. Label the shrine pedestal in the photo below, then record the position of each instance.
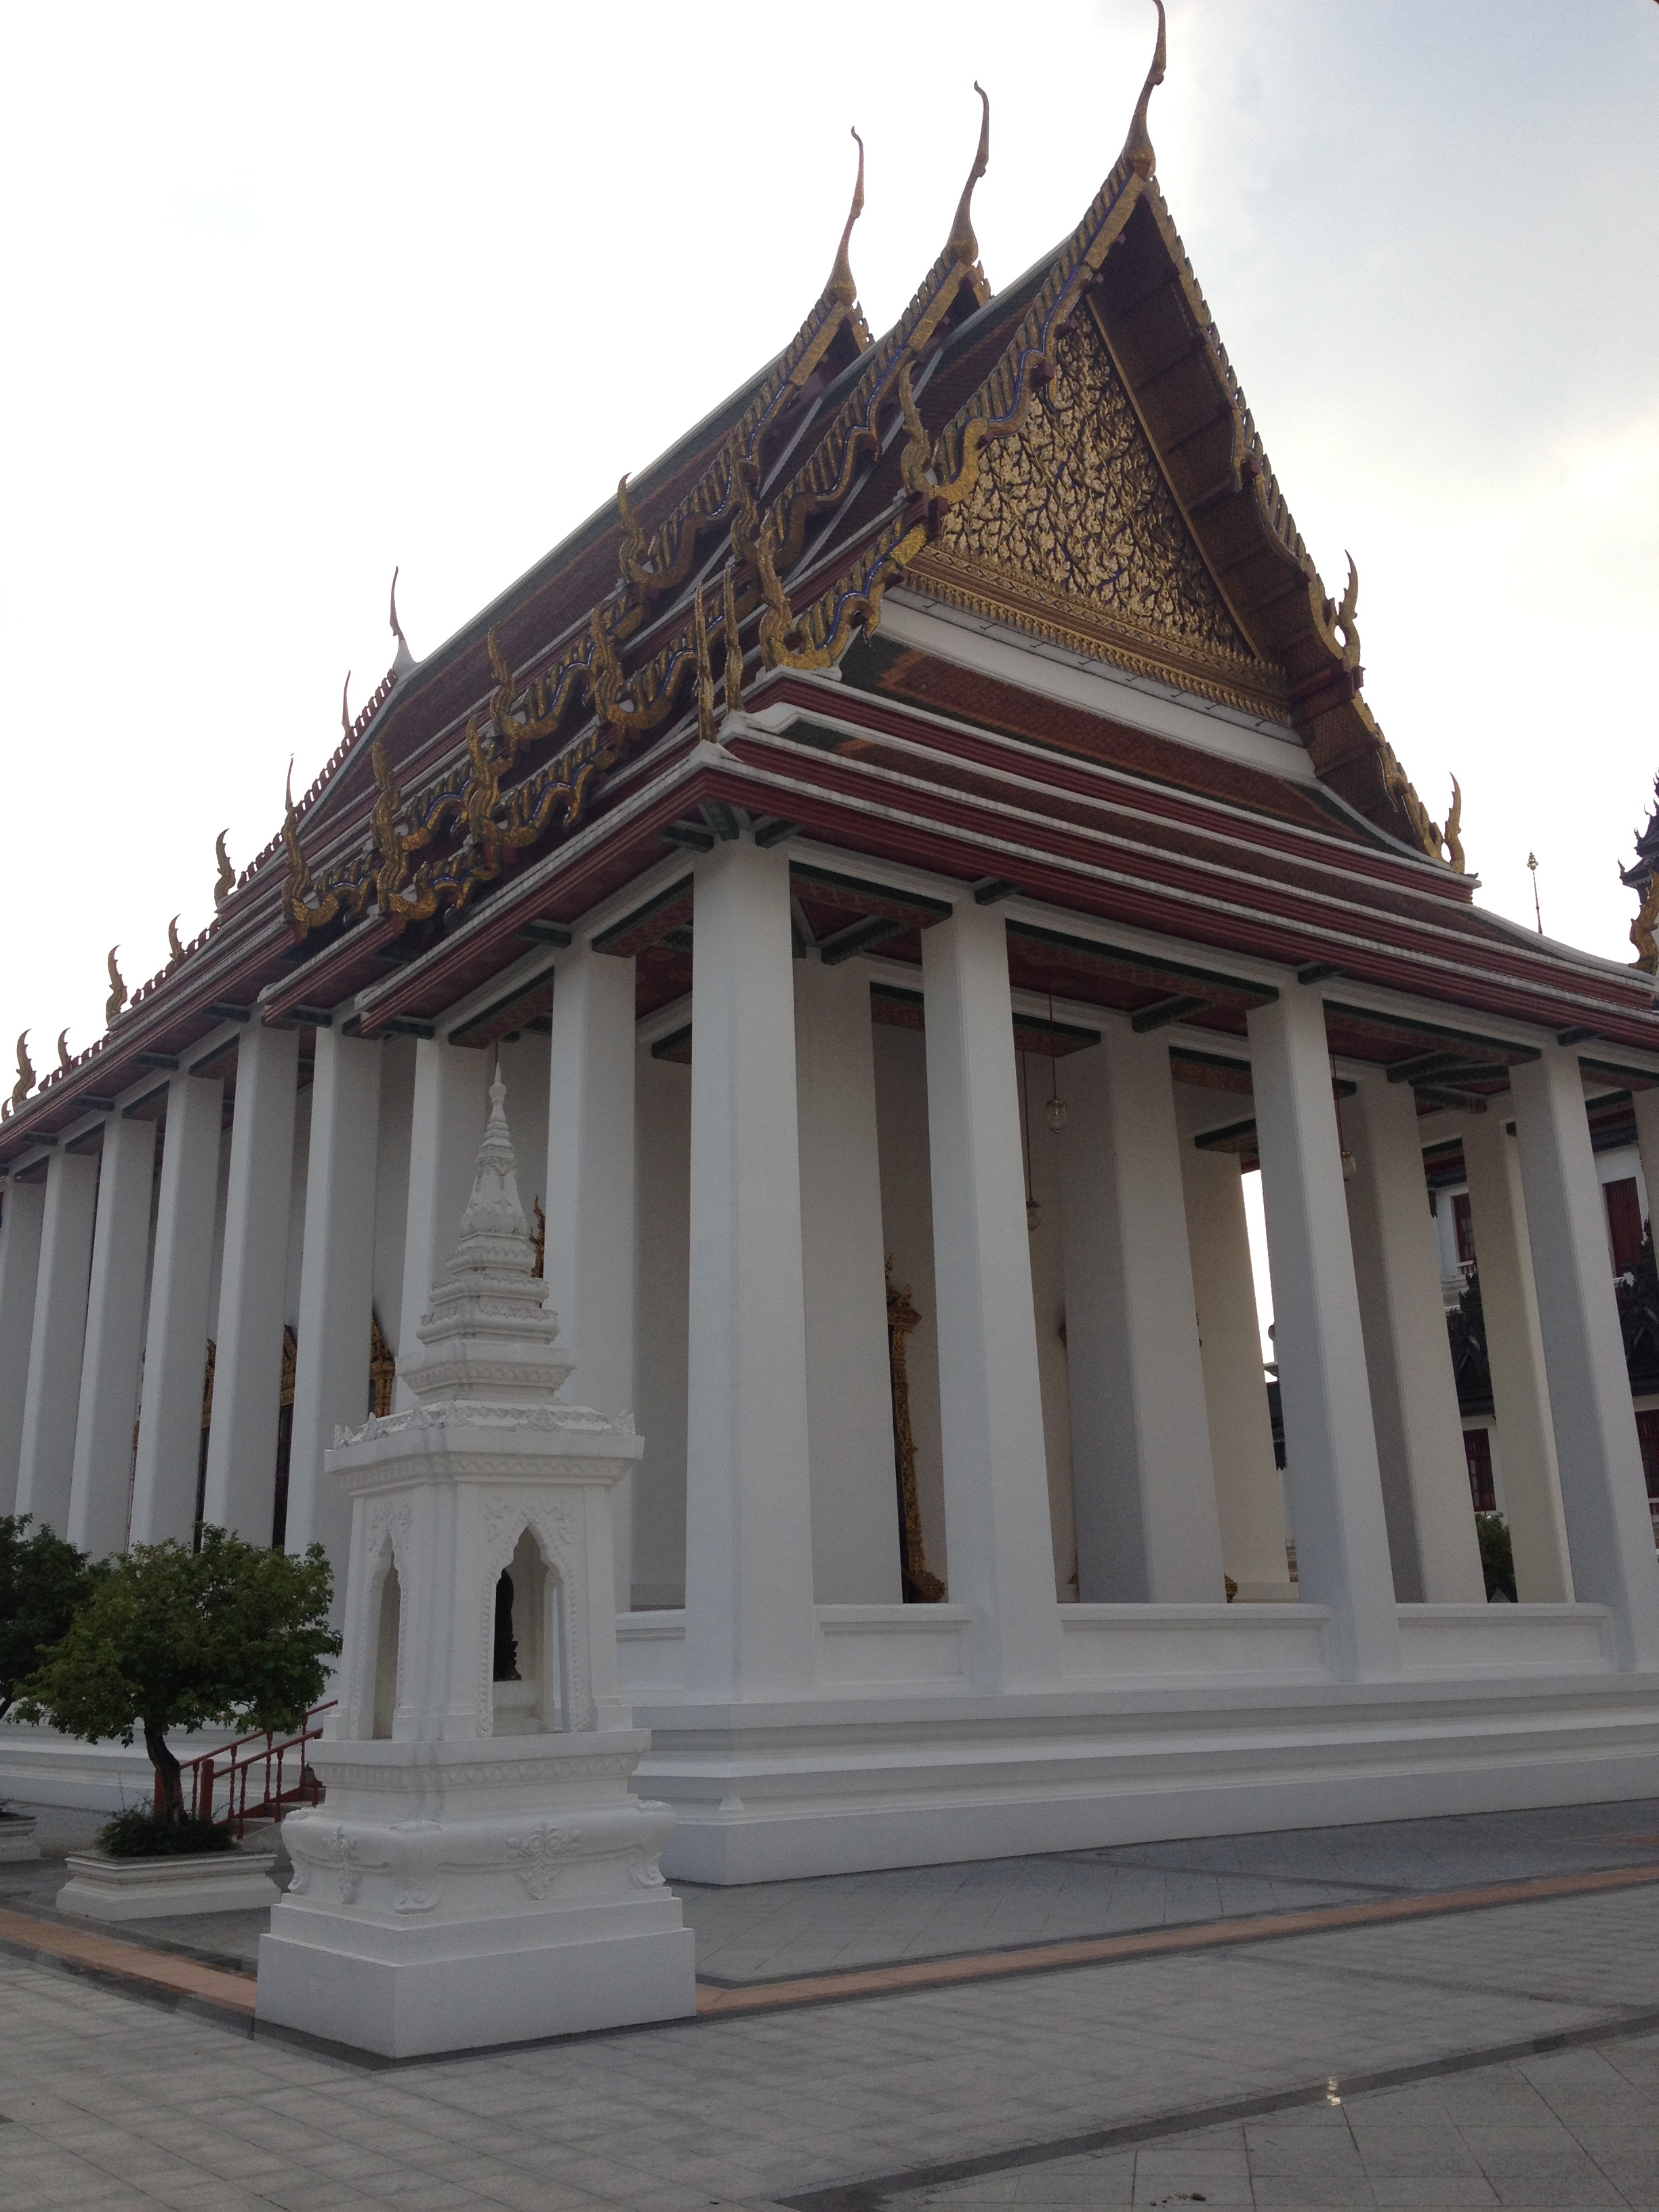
(447, 1896)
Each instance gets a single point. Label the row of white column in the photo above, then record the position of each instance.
(789, 1489)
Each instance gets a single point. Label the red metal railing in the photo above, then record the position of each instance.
(219, 1785)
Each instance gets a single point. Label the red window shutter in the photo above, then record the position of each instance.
(1477, 1446)
(1624, 1223)
(1463, 1223)
(1647, 1435)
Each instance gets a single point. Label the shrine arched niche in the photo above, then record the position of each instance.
(536, 1681)
(373, 1697)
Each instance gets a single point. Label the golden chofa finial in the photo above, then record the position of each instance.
(226, 880)
(25, 1082)
(174, 946)
(402, 661)
(962, 244)
(1138, 146)
(118, 989)
(345, 711)
(840, 285)
(65, 1059)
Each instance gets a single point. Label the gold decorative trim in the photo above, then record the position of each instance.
(920, 1586)
(936, 572)
(382, 1371)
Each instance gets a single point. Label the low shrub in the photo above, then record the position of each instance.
(1496, 1555)
(140, 1833)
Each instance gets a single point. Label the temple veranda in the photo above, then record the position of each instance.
(910, 857)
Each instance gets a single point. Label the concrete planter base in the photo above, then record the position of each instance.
(102, 1888)
(17, 1838)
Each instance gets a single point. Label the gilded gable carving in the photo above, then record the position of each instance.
(1072, 529)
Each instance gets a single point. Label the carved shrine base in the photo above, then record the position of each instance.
(448, 1896)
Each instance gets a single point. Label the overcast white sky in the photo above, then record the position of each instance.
(295, 294)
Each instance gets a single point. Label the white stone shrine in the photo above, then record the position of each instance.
(478, 1872)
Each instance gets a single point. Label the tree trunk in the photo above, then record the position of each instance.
(166, 1773)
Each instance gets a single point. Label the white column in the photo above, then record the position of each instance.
(1515, 1356)
(1331, 1468)
(1142, 1481)
(996, 1483)
(247, 1375)
(46, 1461)
(175, 1348)
(336, 1288)
(24, 1206)
(589, 1259)
(1249, 1501)
(1609, 1534)
(748, 1625)
(447, 1121)
(856, 1538)
(1420, 1431)
(115, 1330)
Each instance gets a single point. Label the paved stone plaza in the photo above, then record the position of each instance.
(1508, 2055)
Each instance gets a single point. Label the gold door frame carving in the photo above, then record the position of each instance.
(920, 1587)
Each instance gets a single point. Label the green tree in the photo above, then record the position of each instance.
(44, 1583)
(231, 1635)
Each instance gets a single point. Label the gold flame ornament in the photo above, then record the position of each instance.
(65, 1061)
(705, 677)
(226, 883)
(734, 641)
(118, 989)
(173, 945)
(1454, 829)
(25, 1082)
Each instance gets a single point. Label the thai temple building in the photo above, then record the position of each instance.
(911, 856)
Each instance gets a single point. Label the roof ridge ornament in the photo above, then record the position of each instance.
(345, 711)
(66, 1058)
(1138, 146)
(961, 246)
(227, 881)
(118, 989)
(840, 285)
(403, 659)
(25, 1082)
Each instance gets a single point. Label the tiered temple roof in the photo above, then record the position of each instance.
(1071, 461)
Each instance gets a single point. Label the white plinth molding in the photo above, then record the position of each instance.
(17, 1840)
(160, 1889)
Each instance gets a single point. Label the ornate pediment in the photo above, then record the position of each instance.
(1071, 530)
